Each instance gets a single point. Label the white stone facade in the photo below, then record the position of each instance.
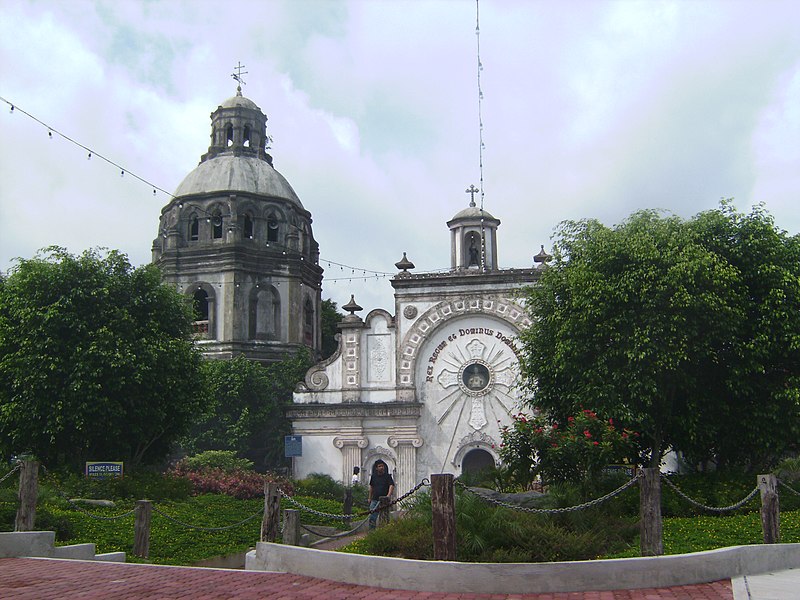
(428, 389)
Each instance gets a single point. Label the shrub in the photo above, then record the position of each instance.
(320, 485)
(488, 533)
(237, 482)
(225, 460)
(136, 485)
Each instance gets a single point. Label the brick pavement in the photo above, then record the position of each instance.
(48, 579)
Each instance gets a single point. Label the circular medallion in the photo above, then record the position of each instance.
(475, 378)
(410, 311)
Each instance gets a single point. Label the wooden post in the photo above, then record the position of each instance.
(272, 512)
(291, 527)
(383, 510)
(770, 509)
(651, 541)
(347, 508)
(444, 516)
(27, 493)
(141, 528)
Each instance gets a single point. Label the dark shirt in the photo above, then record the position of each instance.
(380, 485)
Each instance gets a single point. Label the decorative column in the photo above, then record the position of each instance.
(351, 448)
(351, 327)
(406, 448)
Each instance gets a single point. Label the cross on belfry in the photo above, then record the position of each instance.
(238, 75)
(472, 191)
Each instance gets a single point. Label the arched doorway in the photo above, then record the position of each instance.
(477, 460)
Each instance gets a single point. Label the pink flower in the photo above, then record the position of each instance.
(587, 433)
(596, 443)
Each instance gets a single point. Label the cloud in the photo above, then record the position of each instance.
(590, 109)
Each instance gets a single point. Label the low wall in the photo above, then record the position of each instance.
(518, 578)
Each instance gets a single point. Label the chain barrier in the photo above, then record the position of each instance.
(10, 473)
(788, 487)
(378, 508)
(198, 527)
(554, 511)
(335, 535)
(739, 504)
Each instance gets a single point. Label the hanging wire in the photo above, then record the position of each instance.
(52, 130)
(368, 273)
(480, 129)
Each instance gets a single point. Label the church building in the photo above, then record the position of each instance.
(236, 239)
(428, 388)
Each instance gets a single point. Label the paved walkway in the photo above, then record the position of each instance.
(49, 579)
(782, 585)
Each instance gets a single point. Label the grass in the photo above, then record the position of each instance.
(695, 534)
(170, 543)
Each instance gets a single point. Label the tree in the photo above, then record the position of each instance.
(654, 322)
(759, 376)
(330, 327)
(246, 410)
(96, 360)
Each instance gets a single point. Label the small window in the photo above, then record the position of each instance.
(216, 225)
(272, 229)
(246, 139)
(229, 135)
(308, 322)
(194, 229)
(248, 227)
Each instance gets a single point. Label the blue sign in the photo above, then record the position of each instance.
(293, 446)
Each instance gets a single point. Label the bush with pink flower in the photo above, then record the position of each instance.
(577, 451)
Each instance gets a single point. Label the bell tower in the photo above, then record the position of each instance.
(473, 238)
(237, 241)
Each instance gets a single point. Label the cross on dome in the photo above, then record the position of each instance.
(238, 77)
(472, 190)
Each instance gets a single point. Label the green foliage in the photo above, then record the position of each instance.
(225, 460)
(680, 330)
(136, 485)
(576, 450)
(486, 533)
(96, 360)
(788, 469)
(320, 485)
(246, 410)
(330, 327)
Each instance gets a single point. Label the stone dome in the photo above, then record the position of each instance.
(239, 100)
(472, 212)
(245, 174)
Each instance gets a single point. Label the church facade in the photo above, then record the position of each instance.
(428, 388)
(237, 241)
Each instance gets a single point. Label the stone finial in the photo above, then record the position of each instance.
(543, 257)
(404, 264)
(352, 306)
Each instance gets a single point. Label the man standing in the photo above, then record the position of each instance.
(380, 484)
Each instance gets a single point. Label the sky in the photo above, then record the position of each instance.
(590, 109)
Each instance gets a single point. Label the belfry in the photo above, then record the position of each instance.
(236, 239)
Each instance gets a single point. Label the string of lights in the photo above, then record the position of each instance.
(91, 153)
(14, 108)
(481, 145)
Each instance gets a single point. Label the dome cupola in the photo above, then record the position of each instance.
(473, 238)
